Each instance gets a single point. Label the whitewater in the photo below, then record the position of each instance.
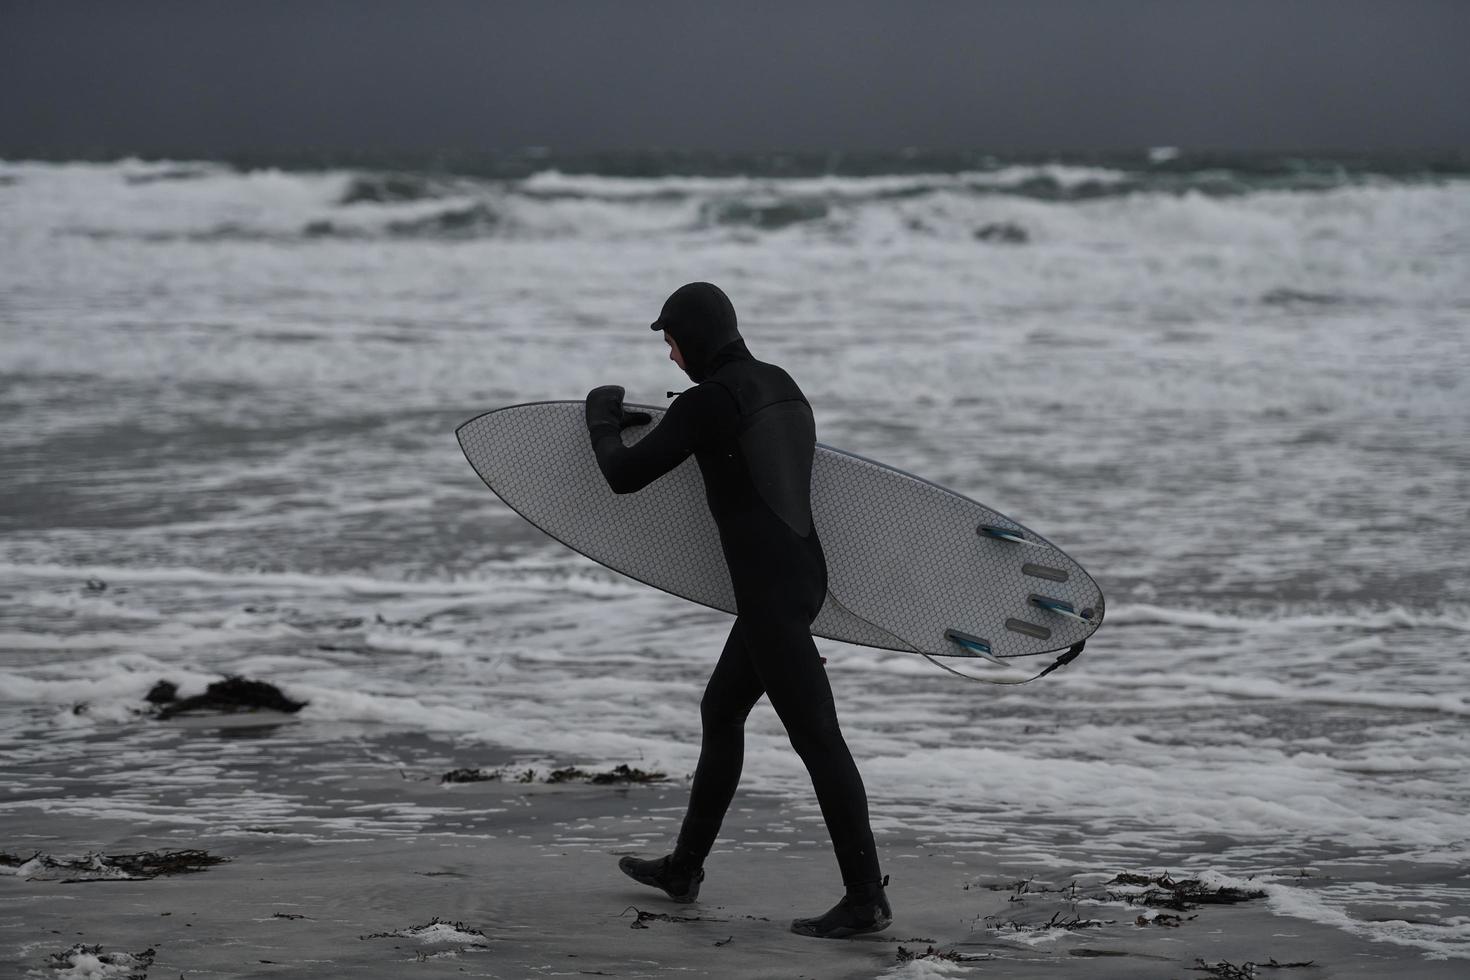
(227, 406)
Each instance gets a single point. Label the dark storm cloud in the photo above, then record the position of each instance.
(151, 76)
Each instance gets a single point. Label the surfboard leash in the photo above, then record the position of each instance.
(1070, 655)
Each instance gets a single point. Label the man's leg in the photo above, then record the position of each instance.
(734, 688)
(796, 682)
(791, 670)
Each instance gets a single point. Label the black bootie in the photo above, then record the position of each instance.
(676, 879)
(863, 909)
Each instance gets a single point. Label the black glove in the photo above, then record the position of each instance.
(605, 415)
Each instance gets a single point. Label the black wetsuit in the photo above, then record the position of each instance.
(750, 428)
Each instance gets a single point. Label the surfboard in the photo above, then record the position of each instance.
(911, 565)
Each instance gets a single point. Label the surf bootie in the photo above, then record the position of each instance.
(863, 909)
(677, 880)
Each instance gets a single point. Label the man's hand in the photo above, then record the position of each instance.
(605, 415)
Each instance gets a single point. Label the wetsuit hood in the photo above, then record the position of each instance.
(701, 319)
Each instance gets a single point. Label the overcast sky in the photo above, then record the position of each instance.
(148, 76)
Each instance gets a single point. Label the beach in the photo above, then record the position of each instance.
(1233, 389)
(502, 878)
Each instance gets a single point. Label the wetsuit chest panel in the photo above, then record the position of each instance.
(777, 438)
(779, 443)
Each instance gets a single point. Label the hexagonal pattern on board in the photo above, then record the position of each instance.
(904, 559)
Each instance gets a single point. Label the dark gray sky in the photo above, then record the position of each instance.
(200, 76)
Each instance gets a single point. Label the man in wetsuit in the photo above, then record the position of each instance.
(751, 430)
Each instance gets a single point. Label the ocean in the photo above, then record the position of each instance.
(1235, 388)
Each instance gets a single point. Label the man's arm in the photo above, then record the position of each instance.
(701, 414)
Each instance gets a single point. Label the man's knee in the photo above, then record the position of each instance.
(816, 734)
(719, 715)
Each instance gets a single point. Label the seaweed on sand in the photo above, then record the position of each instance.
(1058, 920)
(83, 960)
(617, 775)
(470, 776)
(642, 918)
(151, 864)
(907, 955)
(620, 773)
(1022, 887)
(1162, 891)
(91, 866)
(1226, 970)
(1163, 919)
(436, 929)
(233, 694)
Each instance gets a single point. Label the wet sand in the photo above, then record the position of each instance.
(536, 892)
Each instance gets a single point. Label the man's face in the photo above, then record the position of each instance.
(674, 354)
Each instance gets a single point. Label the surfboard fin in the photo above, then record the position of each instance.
(973, 646)
(1060, 607)
(1003, 534)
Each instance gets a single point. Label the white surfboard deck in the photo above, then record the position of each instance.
(905, 562)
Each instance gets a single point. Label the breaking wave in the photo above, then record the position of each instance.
(1003, 204)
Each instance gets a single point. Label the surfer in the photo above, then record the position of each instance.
(751, 430)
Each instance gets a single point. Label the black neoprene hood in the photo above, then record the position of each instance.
(701, 319)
